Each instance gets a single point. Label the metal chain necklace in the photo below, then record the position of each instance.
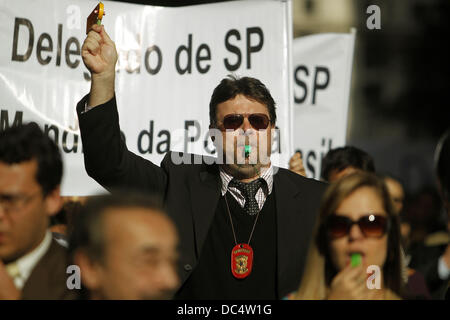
(242, 253)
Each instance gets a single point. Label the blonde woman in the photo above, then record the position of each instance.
(357, 232)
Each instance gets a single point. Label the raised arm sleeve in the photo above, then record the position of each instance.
(106, 157)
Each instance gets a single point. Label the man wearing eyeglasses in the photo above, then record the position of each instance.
(32, 264)
(244, 224)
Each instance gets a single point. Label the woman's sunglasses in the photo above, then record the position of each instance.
(259, 121)
(371, 225)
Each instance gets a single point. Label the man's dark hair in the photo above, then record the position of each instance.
(442, 164)
(344, 157)
(87, 233)
(251, 88)
(27, 142)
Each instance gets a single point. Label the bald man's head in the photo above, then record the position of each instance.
(126, 248)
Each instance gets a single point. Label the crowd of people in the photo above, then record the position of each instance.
(424, 263)
(231, 227)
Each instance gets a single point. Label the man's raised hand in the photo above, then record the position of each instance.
(100, 56)
(99, 52)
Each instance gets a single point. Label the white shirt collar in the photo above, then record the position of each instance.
(27, 263)
(266, 174)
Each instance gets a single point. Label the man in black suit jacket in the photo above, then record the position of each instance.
(244, 224)
(442, 167)
(433, 258)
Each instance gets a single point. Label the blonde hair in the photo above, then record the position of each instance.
(319, 270)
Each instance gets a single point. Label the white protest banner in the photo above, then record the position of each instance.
(322, 66)
(170, 60)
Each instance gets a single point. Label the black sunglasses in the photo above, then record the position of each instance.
(371, 225)
(259, 121)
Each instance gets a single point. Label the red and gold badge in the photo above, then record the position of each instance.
(241, 260)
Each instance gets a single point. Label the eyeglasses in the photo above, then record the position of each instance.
(259, 121)
(13, 203)
(371, 225)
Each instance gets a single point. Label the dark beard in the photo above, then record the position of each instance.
(243, 171)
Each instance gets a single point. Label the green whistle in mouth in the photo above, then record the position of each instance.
(248, 149)
(356, 259)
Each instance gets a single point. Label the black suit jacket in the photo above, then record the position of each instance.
(48, 279)
(191, 193)
(425, 259)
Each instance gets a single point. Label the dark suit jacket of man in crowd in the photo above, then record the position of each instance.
(48, 280)
(425, 259)
(191, 193)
